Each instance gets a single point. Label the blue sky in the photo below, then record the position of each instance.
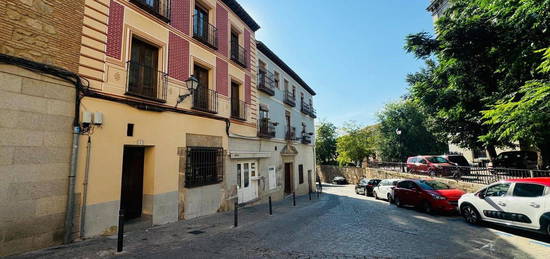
(349, 51)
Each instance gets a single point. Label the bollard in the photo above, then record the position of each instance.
(317, 194)
(236, 219)
(309, 194)
(270, 208)
(293, 198)
(120, 241)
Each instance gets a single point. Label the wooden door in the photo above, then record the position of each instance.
(288, 177)
(201, 99)
(132, 182)
(143, 68)
(235, 109)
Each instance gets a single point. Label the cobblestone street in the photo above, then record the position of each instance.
(341, 224)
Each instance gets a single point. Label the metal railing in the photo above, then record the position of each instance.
(238, 109)
(481, 175)
(266, 129)
(290, 98)
(204, 166)
(158, 8)
(146, 82)
(306, 139)
(290, 134)
(205, 100)
(238, 54)
(205, 32)
(266, 82)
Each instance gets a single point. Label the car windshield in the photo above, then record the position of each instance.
(433, 185)
(437, 160)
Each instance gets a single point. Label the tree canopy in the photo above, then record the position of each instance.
(325, 143)
(356, 144)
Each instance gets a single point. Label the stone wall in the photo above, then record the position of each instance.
(353, 174)
(45, 31)
(36, 114)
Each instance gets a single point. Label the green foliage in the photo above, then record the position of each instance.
(325, 143)
(415, 138)
(356, 144)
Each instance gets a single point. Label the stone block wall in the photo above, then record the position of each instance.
(352, 174)
(36, 114)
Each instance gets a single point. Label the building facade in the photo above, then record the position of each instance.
(437, 8)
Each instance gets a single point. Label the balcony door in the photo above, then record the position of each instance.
(201, 94)
(143, 69)
(234, 45)
(201, 22)
(235, 98)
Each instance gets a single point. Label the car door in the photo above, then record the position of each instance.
(404, 191)
(422, 165)
(415, 193)
(492, 202)
(526, 204)
(380, 189)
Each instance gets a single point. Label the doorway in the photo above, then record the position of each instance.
(247, 187)
(288, 178)
(131, 199)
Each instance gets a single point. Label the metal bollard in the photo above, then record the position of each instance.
(293, 199)
(270, 207)
(120, 240)
(317, 194)
(309, 194)
(236, 219)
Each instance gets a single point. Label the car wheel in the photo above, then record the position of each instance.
(375, 195)
(470, 214)
(398, 202)
(389, 198)
(427, 207)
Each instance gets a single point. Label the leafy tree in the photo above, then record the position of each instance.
(325, 143)
(485, 52)
(405, 117)
(355, 145)
(525, 115)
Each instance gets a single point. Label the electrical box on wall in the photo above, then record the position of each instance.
(86, 118)
(98, 118)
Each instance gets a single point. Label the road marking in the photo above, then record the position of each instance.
(540, 243)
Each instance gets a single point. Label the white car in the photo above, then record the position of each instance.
(384, 189)
(520, 203)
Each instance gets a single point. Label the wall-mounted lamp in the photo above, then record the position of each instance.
(192, 83)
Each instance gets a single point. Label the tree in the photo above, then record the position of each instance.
(485, 52)
(405, 117)
(525, 115)
(355, 145)
(325, 143)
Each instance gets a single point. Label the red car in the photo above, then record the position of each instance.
(429, 195)
(430, 165)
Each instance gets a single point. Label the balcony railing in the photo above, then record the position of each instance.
(238, 110)
(205, 100)
(158, 8)
(205, 32)
(306, 138)
(290, 134)
(238, 54)
(308, 110)
(146, 82)
(266, 129)
(290, 98)
(313, 113)
(266, 82)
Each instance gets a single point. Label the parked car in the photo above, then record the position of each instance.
(521, 203)
(430, 165)
(515, 160)
(428, 195)
(339, 180)
(384, 189)
(365, 186)
(460, 161)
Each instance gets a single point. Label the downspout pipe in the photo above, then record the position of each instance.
(85, 189)
(69, 216)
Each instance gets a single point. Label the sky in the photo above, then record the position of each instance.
(349, 51)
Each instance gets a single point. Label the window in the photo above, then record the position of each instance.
(276, 79)
(528, 190)
(437, 160)
(204, 166)
(405, 185)
(159, 8)
(433, 185)
(143, 74)
(286, 84)
(204, 99)
(301, 174)
(497, 190)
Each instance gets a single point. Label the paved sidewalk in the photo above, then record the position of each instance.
(173, 234)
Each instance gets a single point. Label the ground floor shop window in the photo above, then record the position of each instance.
(204, 166)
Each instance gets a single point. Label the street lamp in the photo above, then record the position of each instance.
(192, 83)
(398, 133)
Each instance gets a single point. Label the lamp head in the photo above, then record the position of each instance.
(192, 83)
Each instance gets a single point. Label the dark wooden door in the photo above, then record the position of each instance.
(235, 109)
(288, 177)
(143, 68)
(132, 182)
(201, 99)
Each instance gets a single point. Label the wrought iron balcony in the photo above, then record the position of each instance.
(290, 98)
(308, 110)
(313, 113)
(290, 134)
(238, 110)
(306, 138)
(266, 128)
(158, 8)
(205, 32)
(266, 82)
(238, 54)
(205, 100)
(146, 82)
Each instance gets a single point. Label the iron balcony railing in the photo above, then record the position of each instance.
(306, 138)
(266, 82)
(205, 100)
(290, 134)
(290, 98)
(312, 112)
(205, 32)
(238, 110)
(238, 54)
(308, 110)
(146, 82)
(158, 8)
(266, 128)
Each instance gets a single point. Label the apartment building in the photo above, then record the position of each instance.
(284, 160)
(438, 7)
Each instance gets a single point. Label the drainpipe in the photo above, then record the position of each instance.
(85, 187)
(72, 180)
